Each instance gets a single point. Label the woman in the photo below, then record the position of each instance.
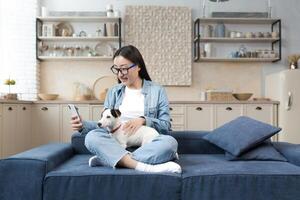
(141, 102)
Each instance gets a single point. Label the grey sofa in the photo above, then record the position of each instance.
(60, 171)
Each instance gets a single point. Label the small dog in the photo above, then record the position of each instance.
(110, 119)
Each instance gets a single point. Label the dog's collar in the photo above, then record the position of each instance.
(114, 130)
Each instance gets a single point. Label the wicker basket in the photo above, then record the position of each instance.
(220, 96)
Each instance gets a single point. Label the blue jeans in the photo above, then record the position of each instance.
(110, 152)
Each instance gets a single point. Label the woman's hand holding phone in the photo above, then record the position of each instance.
(76, 121)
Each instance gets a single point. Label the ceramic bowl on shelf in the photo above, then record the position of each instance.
(242, 96)
(47, 97)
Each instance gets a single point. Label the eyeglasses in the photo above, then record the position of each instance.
(124, 70)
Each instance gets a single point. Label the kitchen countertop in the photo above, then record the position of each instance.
(101, 102)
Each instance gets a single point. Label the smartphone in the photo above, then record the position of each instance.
(74, 110)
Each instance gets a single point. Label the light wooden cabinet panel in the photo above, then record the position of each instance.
(16, 135)
(46, 127)
(227, 112)
(199, 117)
(260, 112)
(177, 114)
(67, 131)
(95, 112)
(9, 129)
(24, 121)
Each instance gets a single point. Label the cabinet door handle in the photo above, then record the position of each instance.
(228, 108)
(258, 108)
(171, 119)
(10, 108)
(171, 108)
(199, 108)
(44, 108)
(24, 108)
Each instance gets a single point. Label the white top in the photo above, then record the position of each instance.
(132, 105)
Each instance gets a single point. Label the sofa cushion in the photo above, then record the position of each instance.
(241, 134)
(74, 180)
(264, 151)
(290, 151)
(213, 177)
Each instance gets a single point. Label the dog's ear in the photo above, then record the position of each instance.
(116, 113)
(103, 111)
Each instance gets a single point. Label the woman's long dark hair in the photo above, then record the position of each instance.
(133, 54)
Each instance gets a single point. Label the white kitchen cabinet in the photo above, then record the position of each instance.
(199, 117)
(46, 124)
(67, 131)
(227, 112)
(16, 129)
(261, 112)
(95, 112)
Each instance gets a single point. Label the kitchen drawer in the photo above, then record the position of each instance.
(176, 109)
(177, 119)
(177, 128)
(260, 112)
(199, 117)
(227, 112)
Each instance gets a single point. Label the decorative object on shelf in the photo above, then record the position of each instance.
(82, 34)
(242, 96)
(219, 95)
(98, 32)
(239, 14)
(109, 10)
(220, 30)
(103, 49)
(101, 86)
(203, 8)
(64, 29)
(208, 50)
(9, 95)
(81, 92)
(269, 9)
(293, 61)
(44, 11)
(47, 97)
(48, 30)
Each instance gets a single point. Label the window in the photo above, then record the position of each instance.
(17, 47)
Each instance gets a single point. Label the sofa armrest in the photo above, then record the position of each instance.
(290, 151)
(22, 174)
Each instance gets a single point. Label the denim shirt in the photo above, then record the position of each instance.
(156, 110)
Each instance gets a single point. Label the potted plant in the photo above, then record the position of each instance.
(293, 61)
(10, 96)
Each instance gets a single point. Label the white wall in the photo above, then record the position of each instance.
(237, 76)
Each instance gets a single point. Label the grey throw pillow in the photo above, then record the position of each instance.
(241, 134)
(264, 151)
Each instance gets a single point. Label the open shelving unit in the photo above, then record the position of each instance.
(198, 39)
(87, 39)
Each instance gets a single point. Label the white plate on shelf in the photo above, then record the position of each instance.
(104, 49)
(102, 84)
